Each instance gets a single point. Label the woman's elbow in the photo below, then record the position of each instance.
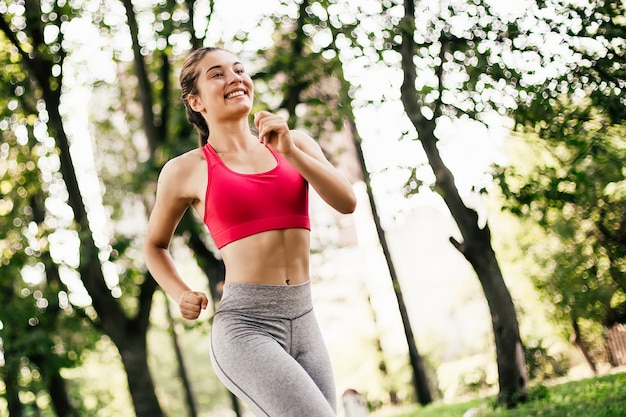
(152, 248)
(348, 205)
(148, 252)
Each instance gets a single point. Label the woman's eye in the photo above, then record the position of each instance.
(217, 74)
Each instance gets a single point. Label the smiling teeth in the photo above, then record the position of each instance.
(235, 94)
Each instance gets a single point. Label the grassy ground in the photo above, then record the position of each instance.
(604, 396)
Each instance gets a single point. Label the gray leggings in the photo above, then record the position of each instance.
(267, 349)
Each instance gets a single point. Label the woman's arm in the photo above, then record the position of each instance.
(307, 157)
(328, 182)
(170, 205)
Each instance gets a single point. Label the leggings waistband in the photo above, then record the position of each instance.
(286, 301)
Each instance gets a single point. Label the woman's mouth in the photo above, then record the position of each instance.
(234, 94)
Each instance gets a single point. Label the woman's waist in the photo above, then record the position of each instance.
(267, 276)
(268, 300)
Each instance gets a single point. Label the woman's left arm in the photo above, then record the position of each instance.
(304, 153)
(334, 188)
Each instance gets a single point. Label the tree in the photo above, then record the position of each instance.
(469, 61)
(574, 125)
(41, 332)
(424, 114)
(27, 29)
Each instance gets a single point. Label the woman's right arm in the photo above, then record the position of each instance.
(171, 203)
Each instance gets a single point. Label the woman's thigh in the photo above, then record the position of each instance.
(309, 350)
(252, 364)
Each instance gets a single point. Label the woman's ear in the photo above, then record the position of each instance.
(195, 103)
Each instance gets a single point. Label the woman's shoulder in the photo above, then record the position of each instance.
(184, 162)
(181, 175)
(182, 168)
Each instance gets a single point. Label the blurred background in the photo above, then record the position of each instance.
(485, 141)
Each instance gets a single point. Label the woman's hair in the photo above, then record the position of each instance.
(187, 79)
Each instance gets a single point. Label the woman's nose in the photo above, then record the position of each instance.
(234, 78)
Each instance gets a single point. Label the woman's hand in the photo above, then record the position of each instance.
(191, 304)
(273, 131)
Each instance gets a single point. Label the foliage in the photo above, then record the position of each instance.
(542, 364)
(582, 45)
(566, 175)
(301, 72)
(573, 191)
(40, 330)
(578, 263)
(597, 397)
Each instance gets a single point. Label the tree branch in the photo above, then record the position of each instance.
(143, 84)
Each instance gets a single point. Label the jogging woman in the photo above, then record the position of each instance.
(252, 192)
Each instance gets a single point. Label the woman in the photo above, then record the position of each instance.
(251, 191)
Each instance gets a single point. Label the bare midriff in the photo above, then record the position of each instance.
(278, 257)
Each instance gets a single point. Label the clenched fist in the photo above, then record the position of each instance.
(274, 132)
(191, 303)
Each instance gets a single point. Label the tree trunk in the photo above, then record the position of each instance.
(579, 342)
(182, 370)
(49, 367)
(382, 365)
(111, 318)
(512, 374)
(12, 389)
(129, 333)
(420, 380)
(55, 385)
(135, 360)
(57, 388)
(213, 268)
(143, 82)
(476, 246)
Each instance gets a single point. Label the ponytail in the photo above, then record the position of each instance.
(187, 79)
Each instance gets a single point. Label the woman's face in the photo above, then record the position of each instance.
(224, 87)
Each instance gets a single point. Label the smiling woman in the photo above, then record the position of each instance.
(252, 192)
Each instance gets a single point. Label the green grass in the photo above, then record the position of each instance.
(603, 396)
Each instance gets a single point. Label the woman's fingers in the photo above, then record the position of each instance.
(273, 131)
(191, 303)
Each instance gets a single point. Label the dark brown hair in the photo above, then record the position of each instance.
(187, 79)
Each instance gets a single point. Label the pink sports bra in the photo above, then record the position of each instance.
(239, 205)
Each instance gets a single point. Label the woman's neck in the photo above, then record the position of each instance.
(231, 136)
